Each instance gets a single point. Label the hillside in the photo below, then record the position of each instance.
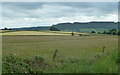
(87, 27)
(33, 28)
(77, 27)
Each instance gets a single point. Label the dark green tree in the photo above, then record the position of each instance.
(53, 28)
(93, 32)
(113, 31)
(72, 34)
(104, 32)
(5, 28)
(99, 32)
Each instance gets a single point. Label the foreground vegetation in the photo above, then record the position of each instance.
(101, 63)
(75, 54)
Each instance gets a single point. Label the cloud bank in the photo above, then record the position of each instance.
(27, 14)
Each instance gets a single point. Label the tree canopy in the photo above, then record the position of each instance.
(54, 28)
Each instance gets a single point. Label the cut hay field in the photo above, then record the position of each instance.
(75, 54)
(11, 32)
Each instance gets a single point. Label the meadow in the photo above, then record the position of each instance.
(75, 54)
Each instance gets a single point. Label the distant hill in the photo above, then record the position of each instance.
(77, 27)
(86, 27)
(33, 28)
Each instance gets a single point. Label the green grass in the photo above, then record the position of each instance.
(104, 64)
(74, 52)
(66, 45)
(107, 63)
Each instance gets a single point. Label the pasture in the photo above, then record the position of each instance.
(75, 54)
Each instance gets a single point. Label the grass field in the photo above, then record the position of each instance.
(75, 54)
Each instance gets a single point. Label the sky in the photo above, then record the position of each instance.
(60, 0)
(32, 14)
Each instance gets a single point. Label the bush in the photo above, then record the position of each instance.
(14, 64)
(72, 34)
(112, 31)
(80, 34)
(6, 29)
(99, 33)
(39, 58)
(54, 28)
(93, 32)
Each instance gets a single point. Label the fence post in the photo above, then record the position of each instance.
(55, 54)
(103, 49)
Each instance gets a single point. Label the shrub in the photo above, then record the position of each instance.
(53, 28)
(72, 34)
(39, 58)
(93, 32)
(80, 34)
(14, 64)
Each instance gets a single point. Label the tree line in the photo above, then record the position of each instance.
(6, 28)
(112, 32)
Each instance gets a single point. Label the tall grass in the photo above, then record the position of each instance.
(106, 63)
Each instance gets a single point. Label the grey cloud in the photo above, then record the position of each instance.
(53, 9)
(54, 12)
